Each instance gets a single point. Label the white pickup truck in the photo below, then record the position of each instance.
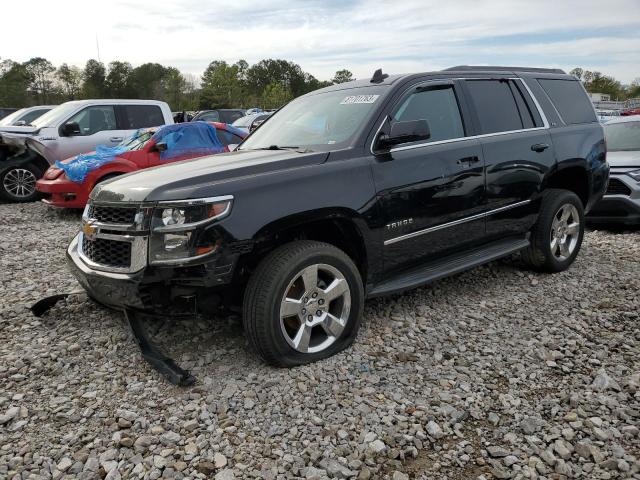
(70, 129)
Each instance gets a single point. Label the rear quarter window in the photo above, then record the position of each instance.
(570, 100)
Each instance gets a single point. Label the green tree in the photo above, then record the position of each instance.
(41, 73)
(14, 84)
(70, 79)
(577, 72)
(599, 83)
(634, 89)
(147, 79)
(275, 96)
(174, 87)
(93, 85)
(288, 74)
(118, 80)
(221, 86)
(342, 76)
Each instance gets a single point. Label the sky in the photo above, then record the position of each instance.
(324, 36)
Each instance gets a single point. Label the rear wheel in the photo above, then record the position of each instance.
(557, 236)
(303, 303)
(18, 183)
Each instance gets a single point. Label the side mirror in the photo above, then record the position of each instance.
(405, 132)
(255, 124)
(71, 128)
(20, 123)
(160, 147)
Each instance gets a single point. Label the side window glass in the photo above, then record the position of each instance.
(210, 117)
(439, 107)
(495, 106)
(95, 119)
(142, 116)
(525, 113)
(570, 100)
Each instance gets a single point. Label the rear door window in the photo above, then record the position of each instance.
(141, 116)
(438, 106)
(570, 100)
(94, 119)
(495, 106)
(212, 116)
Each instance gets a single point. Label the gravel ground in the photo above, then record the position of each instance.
(495, 373)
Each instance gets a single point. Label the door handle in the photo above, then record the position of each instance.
(468, 160)
(116, 139)
(539, 147)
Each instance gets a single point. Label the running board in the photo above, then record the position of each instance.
(448, 266)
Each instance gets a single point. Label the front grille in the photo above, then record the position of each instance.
(616, 187)
(119, 215)
(110, 253)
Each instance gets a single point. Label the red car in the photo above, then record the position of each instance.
(69, 183)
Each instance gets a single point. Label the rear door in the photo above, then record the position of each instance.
(517, 149)
(430, 191)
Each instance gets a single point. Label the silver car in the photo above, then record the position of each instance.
(621, 202)
(24, 116)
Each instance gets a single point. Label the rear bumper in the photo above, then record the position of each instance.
(62, 193)
(618, 208)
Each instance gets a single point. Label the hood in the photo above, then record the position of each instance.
(24, 130)
(624, 159)
(200, 177)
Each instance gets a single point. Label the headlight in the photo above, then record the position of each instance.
(635, 174)
(178, 229)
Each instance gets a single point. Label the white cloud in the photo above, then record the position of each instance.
(323, 36)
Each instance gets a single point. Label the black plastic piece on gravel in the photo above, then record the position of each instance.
(152, 354)
(45, 304)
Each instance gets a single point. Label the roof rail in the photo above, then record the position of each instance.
(488, 68)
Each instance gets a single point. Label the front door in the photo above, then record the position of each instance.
(431, 191)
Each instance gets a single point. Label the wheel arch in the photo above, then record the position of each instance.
(573, 177)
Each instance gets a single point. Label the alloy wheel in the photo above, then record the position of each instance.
(565, 232)
(19, 182)
(315, 307)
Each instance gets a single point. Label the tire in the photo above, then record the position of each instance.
(561, 221)
(18, 183)
(306, 318)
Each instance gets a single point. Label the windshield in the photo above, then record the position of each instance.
(9, 119)
(317, 122)
(137, 140)
(623, 136)
(54, 116)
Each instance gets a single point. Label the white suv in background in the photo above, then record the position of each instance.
(70, 129)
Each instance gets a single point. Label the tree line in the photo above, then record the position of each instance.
(269, 83)
(597, 82)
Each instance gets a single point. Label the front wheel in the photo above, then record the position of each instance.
(18, 183)
(557, 236)
(303, 303)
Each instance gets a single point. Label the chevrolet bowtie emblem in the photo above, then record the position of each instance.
(89, 230)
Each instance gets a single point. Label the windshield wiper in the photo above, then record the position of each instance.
(283, 147)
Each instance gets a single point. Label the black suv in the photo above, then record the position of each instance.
(350, 192)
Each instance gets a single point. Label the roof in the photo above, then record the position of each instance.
(488, 69)
(110, 101)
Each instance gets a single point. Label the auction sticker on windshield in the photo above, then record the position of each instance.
(359, 99)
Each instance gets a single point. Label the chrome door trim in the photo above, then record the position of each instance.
(454, 223)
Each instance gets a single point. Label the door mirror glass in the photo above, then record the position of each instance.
(21, 123)
(160, 147)
(71, 128)
(405, 132)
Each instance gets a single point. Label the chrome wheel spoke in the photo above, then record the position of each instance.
(564, 248)
(310, 278)
(336, 289)
(301, 340)
(332, 325)
(290, 307)
(554, 245)
(573, 228)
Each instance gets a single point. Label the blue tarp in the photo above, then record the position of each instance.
(193, 139)
(76, 170)
(183, 140)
